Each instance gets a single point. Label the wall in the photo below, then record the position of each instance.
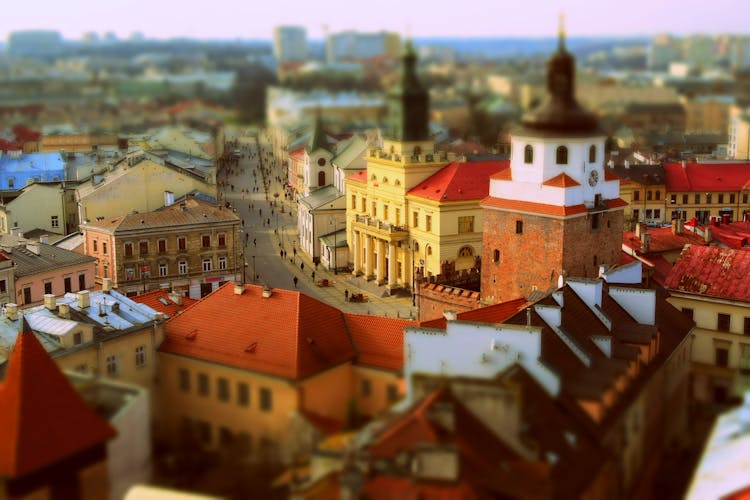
(57, 276)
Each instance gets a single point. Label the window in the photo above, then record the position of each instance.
(266, 399)
(321, 177)
(519, 227)
(366, 388)
(374, 209)
(732, 198)
(592, 153)
(354, 201)
(466, 252)
(398, 216)
(673, 198)
(128, 249)
(3, 286)
(684, 199)
(222, 237)
(182, 243)
(204, 431)
(206, 241)
(206, 265)
(321, 162)
(27, 295)
(466, 224)
(746, 326)
(67, 285)
(184, 378)
(364, 205)
(528, 154)
(162, 245)
(48, 287)
(415, 219)
(104, 247)
(657, 213)
(140, 356)
(81, 281)
(77, 338)
(561, 155)
(649, 195)
(687, 311)
(54, 221)
(657, 195)
(222, 263)
(113, 366)
(697, 199)
(182, 267)
(744, 363)
(428, 223)
(709, 198)
(496, 255)
(222, 389)
(203, 389)
(163, 269)
(721, 197)
(744, 198)
(143, 247)
(243, 394)
(11, 183)
(636, 214)
(429, 250)
(722, 322)
(722, 356)
(636, 195)
(392, 393)
(95, 244)
(595, 221)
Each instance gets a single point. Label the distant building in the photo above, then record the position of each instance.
(739, 134)
(663, 51)
(290, 43)
(18, 169)
(34, 43)
(354, 45)
(40, 207)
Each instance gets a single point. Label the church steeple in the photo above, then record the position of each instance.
(409, 103)
(318, 140)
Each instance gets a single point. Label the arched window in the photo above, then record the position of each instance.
(496, 256)
(592, 153)
(465, 252)
(417, 150)
(429, 250)
(416, 246)
(321, 179)
(528, 154)
(562, 155)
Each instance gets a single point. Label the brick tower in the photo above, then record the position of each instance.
(555, 211)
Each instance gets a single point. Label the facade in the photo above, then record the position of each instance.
(191, 246)
(643, 187)
(145, 177)
(36, 459)
(739, 134)
(7, 280)
(274, 370)
(290, 43)
(343, 108)
(556, 202)
(709, 284)
(707, 114)
(18, 169)
(40, 269)
(321, 213)
(49, 208)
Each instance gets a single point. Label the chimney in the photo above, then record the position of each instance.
(238, 288)
(725, 218)
(450, 315)
(627, 164)
(176, 298)
(106, 285)
(707, 234)
(267, 292)
(50, 302)
(11, 311)
(83, 299)
(640, 230)
(44, 239)
(676, 223)
(63, 310)
(33, 247)
(684, 164)
(645, 243)
(168, 198)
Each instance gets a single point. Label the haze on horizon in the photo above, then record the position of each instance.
(234, 19)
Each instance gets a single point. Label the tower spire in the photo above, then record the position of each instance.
(561, 32)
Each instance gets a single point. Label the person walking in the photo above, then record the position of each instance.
(295, 281)
(346, 295)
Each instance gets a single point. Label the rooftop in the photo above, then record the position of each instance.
(34, 257)
(707, 177)
(459, 181)
(712, 272)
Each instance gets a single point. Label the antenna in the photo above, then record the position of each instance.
(561, 31)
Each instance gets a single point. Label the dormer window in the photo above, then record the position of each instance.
(528, 154)
(562, 155)
(592, 154)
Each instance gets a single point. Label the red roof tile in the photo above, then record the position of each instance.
(496, 313)
(706, 176)
(43, 419)
(663, 240)
(360, 176)
(297, 154)
(288, 334)
(609, 176)
(733, 235)
(156, 301)
(459, 181)
(503, 175)
(379, 340)
(528, 206)
(562, 180)
(713, 272)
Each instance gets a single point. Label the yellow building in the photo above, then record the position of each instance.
(643, 187)
(46, 208)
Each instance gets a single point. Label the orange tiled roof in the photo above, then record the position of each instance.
(459, 181)
(360, 176)
(42, 418)
(542, 208)
(663, 240)
(713, 272)
(609, 176)
(287, 335)
(379, 340)
(155, 300)
(503, 175)
(562, 180)
(496, 313)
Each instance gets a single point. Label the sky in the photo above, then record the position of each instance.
(255, 19)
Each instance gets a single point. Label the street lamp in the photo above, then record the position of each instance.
(254, 275)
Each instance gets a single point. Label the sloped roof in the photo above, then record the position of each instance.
(459, 181)
(563, 180)
(712, 272)
(360, 176)
(354, 149)
(663, 240)
(48, 258)
(707, 176)
(159, 300)
(733, 235)
(542, 208)
(379, 340)
(43, 419)
(288, 334)
(495, 313)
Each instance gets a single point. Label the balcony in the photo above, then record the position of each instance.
(381, 228)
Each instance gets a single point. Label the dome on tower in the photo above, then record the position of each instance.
(560, 112)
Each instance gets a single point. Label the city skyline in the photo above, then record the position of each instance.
(229, 19)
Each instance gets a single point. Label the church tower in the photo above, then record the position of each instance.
(555, 212)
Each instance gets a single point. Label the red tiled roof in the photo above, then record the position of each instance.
(663, 240)
(662, 267)
(459, 181)
(297, 154)
(503, 175)
(496, 313)
(706, 176)
(42, 419)
(288, 334)
(326, 425)
(733, 235)
(562, 180)
(528, 206)
(379, 340)
(360, 176)
(713, 272)
(609, 176)
(154, 301)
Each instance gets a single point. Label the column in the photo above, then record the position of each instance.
(356, 253)
(368, 257)
(392, 265)
(381, 262)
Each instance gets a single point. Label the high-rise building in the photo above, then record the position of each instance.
(349, 45)
(290, 43)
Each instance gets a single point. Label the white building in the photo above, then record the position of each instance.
(290, 43)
